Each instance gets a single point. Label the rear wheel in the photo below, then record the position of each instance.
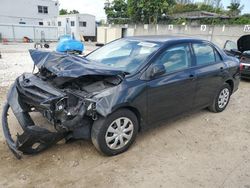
(115, 134)
(222, 99)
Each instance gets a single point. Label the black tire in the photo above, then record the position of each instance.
(46, 45)
(100, 127)
(215, 105)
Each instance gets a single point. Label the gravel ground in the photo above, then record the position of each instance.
(198, 149)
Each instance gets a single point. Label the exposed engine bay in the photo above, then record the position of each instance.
(65, 91)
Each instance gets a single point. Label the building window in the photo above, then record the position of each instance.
(22, 22)
(40, 9)
(48, 23)
(72, 23)
(59, 24)
(43, 9)
(82, 24)
(40, 23)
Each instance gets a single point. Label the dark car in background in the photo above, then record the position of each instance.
(240, 50)
(121, 88)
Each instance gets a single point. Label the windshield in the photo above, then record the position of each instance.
(124, 54)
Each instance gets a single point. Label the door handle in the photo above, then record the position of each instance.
(192, 77)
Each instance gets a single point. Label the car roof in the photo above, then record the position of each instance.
(163, 38)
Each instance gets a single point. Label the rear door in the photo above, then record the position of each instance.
(209, 70)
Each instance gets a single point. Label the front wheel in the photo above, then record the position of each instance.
(222, 99)
(114, 134)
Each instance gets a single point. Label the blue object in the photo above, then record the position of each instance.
(69, 44)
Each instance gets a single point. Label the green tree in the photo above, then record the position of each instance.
(179, 8)
(235, 8)
(117, 11)
(203, 6)
(63, 12)
(207, 7)
(74, 12)
(148, 11)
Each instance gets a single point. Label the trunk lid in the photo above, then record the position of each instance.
(243, 43)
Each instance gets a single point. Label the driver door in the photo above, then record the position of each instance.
(172, 92)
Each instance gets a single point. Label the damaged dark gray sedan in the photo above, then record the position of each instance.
(114, 92)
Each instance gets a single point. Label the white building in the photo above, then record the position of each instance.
(30, 12)
(39, 19)
(81, 25)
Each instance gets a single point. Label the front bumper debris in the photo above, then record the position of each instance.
(29, 93)
(34, 139)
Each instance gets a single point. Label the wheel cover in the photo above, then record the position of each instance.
(119, 133)
(223, 98)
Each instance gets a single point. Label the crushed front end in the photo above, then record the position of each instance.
(66, 102)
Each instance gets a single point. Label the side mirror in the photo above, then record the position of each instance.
(157, 70)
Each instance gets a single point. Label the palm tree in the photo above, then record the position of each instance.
(235, 8)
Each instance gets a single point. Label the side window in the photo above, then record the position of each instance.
(217, 56)
(175, 58)
(230, 45)
(204, 54)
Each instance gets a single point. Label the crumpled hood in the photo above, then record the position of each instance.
(244, 43)
(66, 65)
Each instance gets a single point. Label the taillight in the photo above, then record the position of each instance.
(241, 66)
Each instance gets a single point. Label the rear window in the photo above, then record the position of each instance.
(205, 54)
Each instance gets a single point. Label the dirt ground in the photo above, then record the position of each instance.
(199, 149)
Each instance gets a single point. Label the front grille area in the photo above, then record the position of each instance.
(35, 91)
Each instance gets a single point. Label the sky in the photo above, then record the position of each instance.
(95, 7)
